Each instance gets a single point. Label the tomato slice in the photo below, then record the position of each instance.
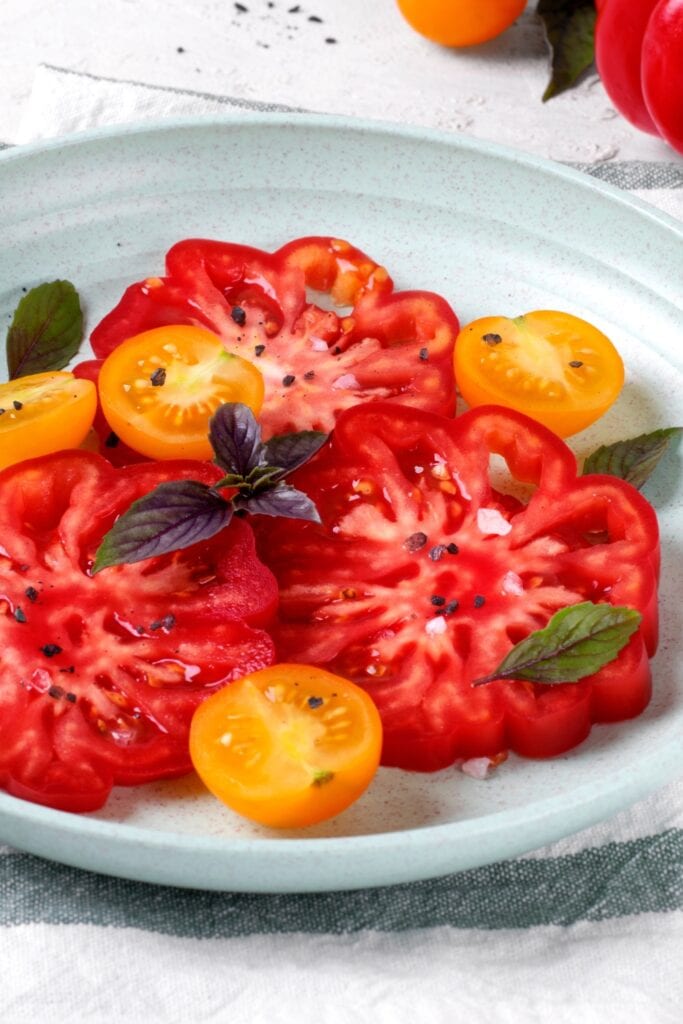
(434, 558)
(43, 413)
(287, 746)
(553, 366)
(160, 388)
(269, 309)
(100, 675)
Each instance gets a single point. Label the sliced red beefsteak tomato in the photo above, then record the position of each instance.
(315, 362)
(424, 574)
(100, 675)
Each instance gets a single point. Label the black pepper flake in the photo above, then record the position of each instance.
(237, 313)
(314, 17)
(49, 650)
(31, 593)
(330, 40)
(452, 549)
(415, 541)
(294, 10)
(180, 49)
(492, 339)
(241, 8)
(70, 670)
(288, 380)
(314, 702)
(158, 378)
(424, 354)
(437, 600)
(168, 622)
(479, 601)
(309, 375)
(451, 607)
(139, 630)
(437, 552)
(112, 440)
(18, 405)
(72, 698)
(19, 615)
(56, 692)
(576, 363)
(259, 349)
(336, 351)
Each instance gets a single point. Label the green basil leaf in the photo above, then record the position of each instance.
(173, 516)
(46, 331)
(578, 641)
(569, 29)
(634, 459)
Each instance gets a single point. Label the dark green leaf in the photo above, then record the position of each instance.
(172, 516)
(569, 28)
(633, 460)
(46, 331)
(281, 500)
(289, 451)
(577, 642)
(236, 438)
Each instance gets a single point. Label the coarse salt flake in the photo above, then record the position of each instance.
(490, 521)
(476, 767)
(318, 345)
(512, 583)
(345, 382)
(436, 625)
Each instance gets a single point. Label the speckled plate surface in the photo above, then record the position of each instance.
(494, 231)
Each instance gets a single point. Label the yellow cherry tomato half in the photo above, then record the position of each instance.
(44, 413)
(460, 22)
(159, 390)
(287, 746)
(553, 366)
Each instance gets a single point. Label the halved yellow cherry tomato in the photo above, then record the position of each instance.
(160, 388)
(44, 413)
(287, 746)
(553, 366)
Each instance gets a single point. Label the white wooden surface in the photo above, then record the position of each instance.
(377, 67)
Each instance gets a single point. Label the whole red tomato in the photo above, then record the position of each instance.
(639, 54)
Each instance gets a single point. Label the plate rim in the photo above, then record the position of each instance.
(658, 765)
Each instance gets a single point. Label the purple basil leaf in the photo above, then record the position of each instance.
(281, 500)
(236, 438)
(172, 516)
(289, 451)
(46, 331)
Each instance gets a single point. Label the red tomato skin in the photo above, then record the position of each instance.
(662, 70)
(112, 706)
(619, 32)
(350, 596)
(110, 446)
(392, 345)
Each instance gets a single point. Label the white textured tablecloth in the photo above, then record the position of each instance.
(587, 930)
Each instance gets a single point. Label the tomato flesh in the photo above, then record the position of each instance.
(287, 746)
(315, 362)
(553, 366)
(424, 574)
(160, 388)
(43, 413)
(101, 674)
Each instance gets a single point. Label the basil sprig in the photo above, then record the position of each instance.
(578, 641)
(179, 513)
(569, 27)
(46, 330)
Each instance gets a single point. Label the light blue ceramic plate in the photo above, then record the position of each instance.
(492, 230)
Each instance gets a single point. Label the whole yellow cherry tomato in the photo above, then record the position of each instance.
(460, 22)
(288, 746)
(159, 389)
(555, 367)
